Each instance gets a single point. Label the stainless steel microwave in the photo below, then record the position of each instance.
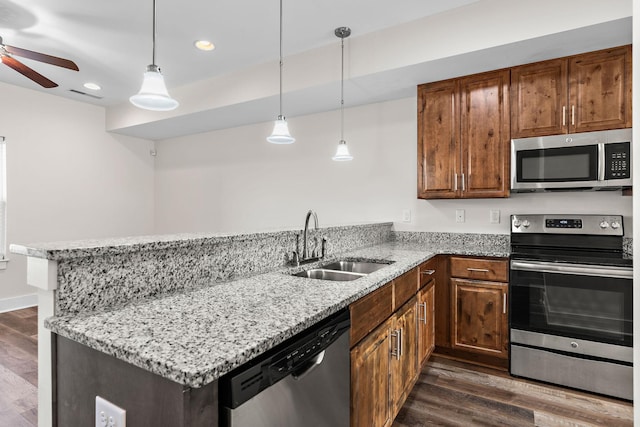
(581, 161)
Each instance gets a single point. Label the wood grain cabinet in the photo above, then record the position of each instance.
(479, 306)
(581, 93)
(426, 322)
(463, 137)
(370, 379)
(404, 354)
(390, 344)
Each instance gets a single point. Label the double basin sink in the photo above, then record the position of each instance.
(343, 270)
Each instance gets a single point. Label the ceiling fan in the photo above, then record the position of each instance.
(6, 58)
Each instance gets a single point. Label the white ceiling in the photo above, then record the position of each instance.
(236, 84)
(110, 41)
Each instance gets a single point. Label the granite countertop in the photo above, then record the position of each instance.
(195, 337)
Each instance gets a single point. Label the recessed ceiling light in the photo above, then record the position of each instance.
(92, 86)
(204, 45)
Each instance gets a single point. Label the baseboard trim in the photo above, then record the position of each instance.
(16, 303)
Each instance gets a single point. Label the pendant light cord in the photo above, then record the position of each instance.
(280, 58)
(342, 95)
(153, 57)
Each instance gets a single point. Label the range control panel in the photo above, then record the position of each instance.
(601, 225)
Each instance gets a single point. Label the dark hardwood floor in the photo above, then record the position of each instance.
(19, 368)
(452, 393)
(448, 393)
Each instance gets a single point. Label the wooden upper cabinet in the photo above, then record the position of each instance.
(484, 105)
(539, 99)
(438, 140)
(463, 137)
(581, 93)
(600, 90)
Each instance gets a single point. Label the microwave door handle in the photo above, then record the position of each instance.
(601, 161)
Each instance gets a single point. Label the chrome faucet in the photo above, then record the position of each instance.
(306, 256)
(305, 251)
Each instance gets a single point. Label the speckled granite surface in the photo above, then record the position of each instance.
(98, 274)
(492, 244)
(194, 337)
(627, 246)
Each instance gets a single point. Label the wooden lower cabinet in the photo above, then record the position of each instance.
(426, 322)
(370, 379)
(403, 354)
(479, 316)
(386, 362)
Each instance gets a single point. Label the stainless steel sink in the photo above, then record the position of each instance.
(362, 267)
(343, 270)
(322, 274)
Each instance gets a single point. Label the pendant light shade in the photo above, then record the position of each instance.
(280, 134)
(153, 94)
(342, 153)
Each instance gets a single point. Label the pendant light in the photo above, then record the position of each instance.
(342, 153)
(153, 94)
(280, 134)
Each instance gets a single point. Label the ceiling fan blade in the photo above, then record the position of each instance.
(36, 56)
(28, 72)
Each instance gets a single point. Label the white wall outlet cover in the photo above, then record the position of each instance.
(406, 215)
(109, 415)
(459, 215)
(494, 216)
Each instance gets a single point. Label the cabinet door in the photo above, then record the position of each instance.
(600, 90)
(426, 323)
(370, 379)
(438, 140)
(403, 354)
(539, 99)
(479, 316)
(485, 134)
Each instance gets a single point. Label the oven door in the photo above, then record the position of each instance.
(589, 302)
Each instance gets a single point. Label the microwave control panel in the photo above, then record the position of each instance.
(617, 159)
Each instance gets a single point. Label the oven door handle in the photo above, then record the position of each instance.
(576, 269)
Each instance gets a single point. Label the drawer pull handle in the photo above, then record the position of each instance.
(428, 272)
(504, 303)
(423, 319)
(478, 270)
(397, 351)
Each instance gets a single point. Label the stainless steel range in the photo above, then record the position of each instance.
(571, 311)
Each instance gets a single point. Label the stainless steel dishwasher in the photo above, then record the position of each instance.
(302, 382)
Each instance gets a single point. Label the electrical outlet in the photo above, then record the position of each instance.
(494, 216)
(109, 415)
(406, 215)
(459, 215)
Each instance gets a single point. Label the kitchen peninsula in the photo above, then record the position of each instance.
(187, 309)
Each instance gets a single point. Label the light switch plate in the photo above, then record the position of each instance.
(109, 415)
(494, 216)
(459, 215)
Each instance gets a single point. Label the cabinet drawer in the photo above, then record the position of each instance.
(368, 312)
(428, 271)
(404, 287)
(480, 268)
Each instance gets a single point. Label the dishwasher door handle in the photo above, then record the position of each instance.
(309, 366)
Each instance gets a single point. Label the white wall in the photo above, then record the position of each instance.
(67, 178)
(233, 180)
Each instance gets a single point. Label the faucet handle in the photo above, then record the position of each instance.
(295, 259)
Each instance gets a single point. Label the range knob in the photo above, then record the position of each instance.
(517, 223)
(526, 223)
(604, 224)
(615, 225)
